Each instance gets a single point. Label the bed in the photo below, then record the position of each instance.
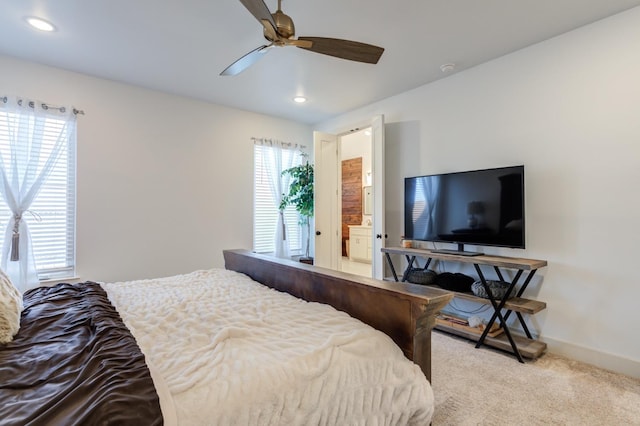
(215, 347)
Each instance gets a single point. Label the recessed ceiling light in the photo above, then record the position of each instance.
(300, 99)
(40, 24)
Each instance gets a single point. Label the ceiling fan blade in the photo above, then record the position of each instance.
(246, 61)
(345, 49)
(260, 11)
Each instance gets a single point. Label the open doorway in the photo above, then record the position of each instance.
(327, 197)
(356, 215)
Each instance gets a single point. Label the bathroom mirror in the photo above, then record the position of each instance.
(366, 200)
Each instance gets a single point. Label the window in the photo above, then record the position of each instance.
(51, 215)
(265, 215)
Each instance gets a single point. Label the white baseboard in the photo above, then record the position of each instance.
(608, 361)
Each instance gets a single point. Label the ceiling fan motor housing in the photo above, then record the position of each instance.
(284, 25)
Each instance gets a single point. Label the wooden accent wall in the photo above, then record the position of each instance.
(351, 197)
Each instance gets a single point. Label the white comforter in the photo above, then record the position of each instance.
(234, 352)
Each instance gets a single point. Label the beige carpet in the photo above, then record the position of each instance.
(488, 387)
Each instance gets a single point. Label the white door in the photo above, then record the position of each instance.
(326, 200)
(377, 170)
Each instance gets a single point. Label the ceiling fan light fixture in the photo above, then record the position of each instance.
(299, 99)
(40, 24)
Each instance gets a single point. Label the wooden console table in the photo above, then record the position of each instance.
(519, 345)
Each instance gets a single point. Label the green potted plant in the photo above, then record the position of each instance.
(300, 196)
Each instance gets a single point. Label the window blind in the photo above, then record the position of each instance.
(265, 212)
(51, 216)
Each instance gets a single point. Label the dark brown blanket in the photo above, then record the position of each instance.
(74, 362)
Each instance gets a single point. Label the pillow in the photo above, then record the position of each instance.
(10, 309)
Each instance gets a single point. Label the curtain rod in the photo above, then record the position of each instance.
(46, 106)
(272, 141)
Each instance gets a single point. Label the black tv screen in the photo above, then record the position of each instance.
(478, 207)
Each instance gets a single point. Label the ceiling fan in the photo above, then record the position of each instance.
(280, 31)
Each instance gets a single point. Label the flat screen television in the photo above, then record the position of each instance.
(476, 207)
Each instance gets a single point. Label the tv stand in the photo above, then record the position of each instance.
(520, 346)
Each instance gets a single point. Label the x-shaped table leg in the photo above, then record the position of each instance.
(497, 307)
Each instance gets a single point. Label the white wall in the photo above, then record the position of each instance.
(354, 145)
(569, 110)
(165, 183)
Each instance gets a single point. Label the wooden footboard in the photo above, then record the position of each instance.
(406, 312)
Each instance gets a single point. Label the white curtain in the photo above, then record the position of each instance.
(281, 156)
(24, 167)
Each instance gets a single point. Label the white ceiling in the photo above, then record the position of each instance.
(181, 46)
